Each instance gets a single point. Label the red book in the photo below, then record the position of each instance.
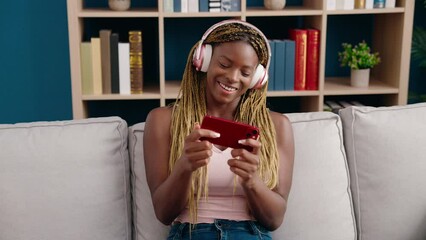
(300, 36)
(312, 59)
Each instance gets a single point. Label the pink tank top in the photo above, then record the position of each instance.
(222, 202)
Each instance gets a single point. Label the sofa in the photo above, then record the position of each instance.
(359, 174)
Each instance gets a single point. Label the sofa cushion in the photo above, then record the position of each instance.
(386, 153)
(320, 202)
(65, 180)
(146, 226)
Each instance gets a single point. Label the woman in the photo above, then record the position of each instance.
(208, 191)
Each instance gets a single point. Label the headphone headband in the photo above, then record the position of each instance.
(224, 22)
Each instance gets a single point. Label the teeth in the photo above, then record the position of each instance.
(227, 88)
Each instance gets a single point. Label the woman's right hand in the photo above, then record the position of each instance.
(196, 152)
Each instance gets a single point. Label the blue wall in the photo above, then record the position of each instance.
(35, 80)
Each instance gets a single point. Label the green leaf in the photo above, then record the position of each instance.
(358, 56)
(418, 49)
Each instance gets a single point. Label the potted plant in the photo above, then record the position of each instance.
(360, 59)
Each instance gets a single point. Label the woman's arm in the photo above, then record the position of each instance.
(169, 193)
(268, 207)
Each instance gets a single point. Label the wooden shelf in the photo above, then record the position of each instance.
(390, 36)
(288, 11)
(366, 11)
(106, 13)
(292, 93)
(202, 14)
(341, 86)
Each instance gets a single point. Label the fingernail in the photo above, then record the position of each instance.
(241, 141)
(216, 135)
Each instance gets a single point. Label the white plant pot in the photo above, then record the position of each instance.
(274, 4)
(360, 77)
(119, 5)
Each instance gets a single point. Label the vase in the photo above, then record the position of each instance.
(119, 5)
(274, 4)
(360, 77)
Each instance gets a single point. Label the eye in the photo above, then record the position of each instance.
(245, 74)
(223, 65)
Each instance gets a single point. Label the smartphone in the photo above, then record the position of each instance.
(230, 132)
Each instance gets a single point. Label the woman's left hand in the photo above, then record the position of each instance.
(245, 164)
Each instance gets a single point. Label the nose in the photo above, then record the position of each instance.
(233, 75)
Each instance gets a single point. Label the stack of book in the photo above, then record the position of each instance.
(281, 69)
(351, 4)
(307, 55)
(335, 106)
(185, 6)
(295, 61)
(109, 66)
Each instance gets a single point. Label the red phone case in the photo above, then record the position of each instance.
(230, 132)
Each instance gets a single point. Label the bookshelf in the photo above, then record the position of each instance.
(387, 30)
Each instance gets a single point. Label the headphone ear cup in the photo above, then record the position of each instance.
(202, 56)
(260, 77)
(206, 57)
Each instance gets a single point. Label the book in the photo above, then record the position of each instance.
(312, 59)
(348, 4)
(124, 67)
(331, 5)
(359, 4)
(345, 104)
(96, 65)
(177, 6)
(390, 4)
(300, 36)
(369, 4)
(204, 5)
(279, 65)
(168, 6)
(136, 64)
(184, 7)
(104, 35)
(379, 3)
(290, 54)
(340, 4)
(326, 108)
(335, 107)
(345, 4)
(214, 5)
(230, 5)
(115, 77)
(356, 103)
(86, 68)
(193, 6)
(271, 70)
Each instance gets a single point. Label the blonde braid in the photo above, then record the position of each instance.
(191, 108)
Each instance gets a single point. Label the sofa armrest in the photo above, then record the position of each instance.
(65, 180)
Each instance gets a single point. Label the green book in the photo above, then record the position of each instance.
(86, 68)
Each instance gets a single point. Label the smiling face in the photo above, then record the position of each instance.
(230, 72)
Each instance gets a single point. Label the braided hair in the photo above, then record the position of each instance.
(191, 108)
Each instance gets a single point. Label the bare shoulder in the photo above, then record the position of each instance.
(157, 123)
(160, 116)
(281, 122)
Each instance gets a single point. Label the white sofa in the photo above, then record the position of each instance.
(360, 175)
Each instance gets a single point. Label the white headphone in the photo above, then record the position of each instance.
(203, 54)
